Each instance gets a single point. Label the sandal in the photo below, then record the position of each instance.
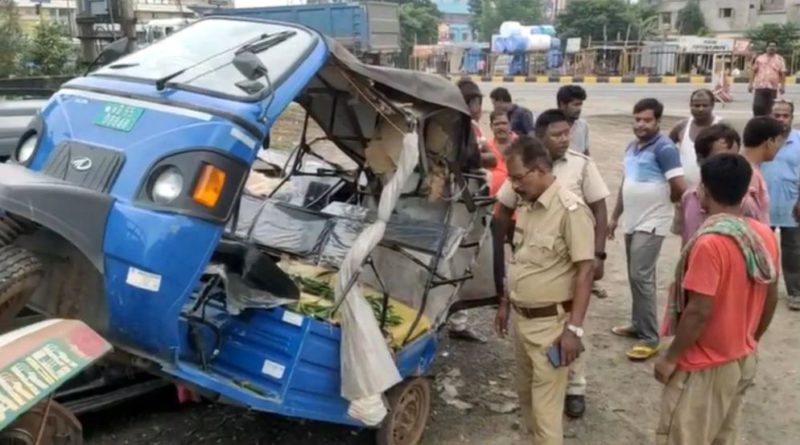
(625, 331)
(640, 353)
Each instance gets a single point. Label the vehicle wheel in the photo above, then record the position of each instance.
(10, 229)
(409, 408)
(61, 427)
(21, 272)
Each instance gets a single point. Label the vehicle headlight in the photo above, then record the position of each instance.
(26, 149)
(167, 186)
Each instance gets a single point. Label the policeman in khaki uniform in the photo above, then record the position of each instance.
(580, 175)
(549, 281)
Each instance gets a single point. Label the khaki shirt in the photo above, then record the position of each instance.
(576, 171)
(551, 235)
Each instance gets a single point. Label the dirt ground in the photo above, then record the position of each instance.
(622, 397)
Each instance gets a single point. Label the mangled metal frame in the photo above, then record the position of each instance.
(412, 99)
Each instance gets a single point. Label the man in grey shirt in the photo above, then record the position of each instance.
(570, 100)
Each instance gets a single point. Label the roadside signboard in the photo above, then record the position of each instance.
(704, 45)
(573, 45)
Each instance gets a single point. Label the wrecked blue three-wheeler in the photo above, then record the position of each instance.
(149, 200)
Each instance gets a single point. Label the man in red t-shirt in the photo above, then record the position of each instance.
(503, 137)
(724, 305)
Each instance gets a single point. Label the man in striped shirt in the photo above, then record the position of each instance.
(653, 182)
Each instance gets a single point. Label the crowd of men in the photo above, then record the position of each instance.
(726, 196)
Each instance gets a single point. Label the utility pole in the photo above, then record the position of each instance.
(119, 11)
(85, 21)
(127, 19)
(69, 20)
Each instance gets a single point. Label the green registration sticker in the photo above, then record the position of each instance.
(119, 117)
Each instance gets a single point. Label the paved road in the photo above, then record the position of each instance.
(622, 397)
(619, 99)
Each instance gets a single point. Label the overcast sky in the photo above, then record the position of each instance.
(253, 3)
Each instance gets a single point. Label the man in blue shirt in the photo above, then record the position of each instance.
(783, 184)
(521, 118)
(653, 182)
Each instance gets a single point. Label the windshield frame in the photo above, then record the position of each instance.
(251, 98)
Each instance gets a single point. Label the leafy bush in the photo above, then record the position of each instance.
(12, 39)
(49, 51)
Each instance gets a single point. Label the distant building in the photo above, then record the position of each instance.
(65, 11)
(61, 11)
(456, 17)
(731, 18)
(170, 9)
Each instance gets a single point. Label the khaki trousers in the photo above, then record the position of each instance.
(702, 407)
(541, 387)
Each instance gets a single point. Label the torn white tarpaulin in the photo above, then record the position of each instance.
(368, 368)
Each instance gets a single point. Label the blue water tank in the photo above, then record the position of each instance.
(471, 59)
(517, 43)
(555, 58)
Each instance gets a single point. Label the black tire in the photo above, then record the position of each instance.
(21, 272)
(10, 229)
(409, 409)
(61, 427)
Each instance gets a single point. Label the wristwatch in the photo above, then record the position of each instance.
(601, 256)
(577, 330)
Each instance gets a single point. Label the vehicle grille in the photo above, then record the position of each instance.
(86, 166)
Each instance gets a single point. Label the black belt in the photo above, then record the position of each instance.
(541, 312)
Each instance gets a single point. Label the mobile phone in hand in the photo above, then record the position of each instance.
(554, 355)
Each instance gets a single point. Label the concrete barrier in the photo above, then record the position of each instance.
(637, 80)
(32, 86)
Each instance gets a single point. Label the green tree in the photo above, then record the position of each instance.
(493, 13)
(49, 51)
(691, 20)
(12, 40)
(642, 20)
(476, 11)
(786, 36)
(608, 20)
(419, 23)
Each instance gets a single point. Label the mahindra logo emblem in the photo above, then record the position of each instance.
(81, 164)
